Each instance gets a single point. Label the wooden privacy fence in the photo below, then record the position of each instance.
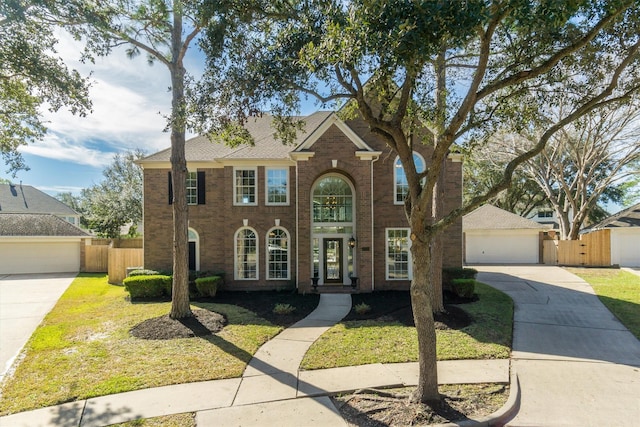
(96, 258)
(101, 257)
(120, 259)
(592, 250)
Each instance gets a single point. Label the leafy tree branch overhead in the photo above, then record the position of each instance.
(438, 73)
(32, 78)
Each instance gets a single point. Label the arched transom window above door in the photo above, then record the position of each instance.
(332, 200)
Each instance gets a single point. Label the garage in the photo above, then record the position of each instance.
(625, 247)
(39, 243)
(495, 236)
(625, 236)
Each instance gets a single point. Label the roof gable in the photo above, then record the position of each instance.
(489, 217)
(266, 146)
(629, 217)
(329, 121)
(27, 199)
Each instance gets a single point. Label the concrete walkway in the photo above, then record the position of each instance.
(24, 301)
(272, 390)
(576, 363)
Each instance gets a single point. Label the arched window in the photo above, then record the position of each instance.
(246, 254)
(400, 178)
(332, 200)
(277, 254)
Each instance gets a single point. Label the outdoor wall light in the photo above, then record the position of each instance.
(352, 242)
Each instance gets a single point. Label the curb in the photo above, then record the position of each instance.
(500, 417)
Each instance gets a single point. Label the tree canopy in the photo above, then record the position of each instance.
(32, 77)
(117, 200)
(456, 71)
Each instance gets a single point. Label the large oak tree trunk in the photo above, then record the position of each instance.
(427, 389)
(180, 304)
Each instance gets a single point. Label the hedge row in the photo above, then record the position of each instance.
(159, 285)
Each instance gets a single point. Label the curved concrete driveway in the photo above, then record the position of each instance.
(24, 301)
(577, 364)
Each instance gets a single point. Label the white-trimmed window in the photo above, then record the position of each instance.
(332, 200)
(398, 254)
(277, 186)
(246, 254)
(192, 188)
(400, 178)
(277, 254)
(245, 186)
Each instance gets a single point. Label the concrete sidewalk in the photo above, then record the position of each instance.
(576, 363)
(272, 390)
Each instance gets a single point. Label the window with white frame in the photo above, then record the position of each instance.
(277, 183)
(245, 186)
(278, 254)
(400, 178)
(246, 254)
(192, 188)
(398, 254)
(332, 200)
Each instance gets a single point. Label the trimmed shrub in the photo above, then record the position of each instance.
(283, 309)
(362, 308)
(450, 274)
(152, 286)
(143, 272)
(208, 286)
(464, 288)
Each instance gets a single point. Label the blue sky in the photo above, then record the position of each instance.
(129, 98)
(130, 102)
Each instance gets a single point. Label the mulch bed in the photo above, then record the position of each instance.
(392, 306)
(203, 323)
(396, 306)
(391, 408)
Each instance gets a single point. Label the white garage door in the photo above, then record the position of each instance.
(502, 247)
(625, 247)
(39, 257)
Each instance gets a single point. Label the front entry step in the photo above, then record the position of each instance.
(335, 289)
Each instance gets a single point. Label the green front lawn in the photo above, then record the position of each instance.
(380, 341)
(83, 349)
(618, 290)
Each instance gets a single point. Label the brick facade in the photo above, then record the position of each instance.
(334, 153)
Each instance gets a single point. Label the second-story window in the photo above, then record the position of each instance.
(401, 183)
(192, 188)
(245, 186)
(195, 186)
(277, 186)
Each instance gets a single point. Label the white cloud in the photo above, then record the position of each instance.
(58, 148)
(130, 103)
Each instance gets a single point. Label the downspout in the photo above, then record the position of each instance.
(373, 252)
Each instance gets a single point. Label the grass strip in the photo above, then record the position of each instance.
(83, 349)
(618, 290)
(352, 343)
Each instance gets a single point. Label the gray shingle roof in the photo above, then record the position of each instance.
(18, 198)
(266, 145)
(629, 217)
(37, 225)
(489, 217)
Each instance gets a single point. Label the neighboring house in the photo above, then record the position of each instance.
(625, 236)
(547, 217)
(39, 243)
(18, 198)
(272, 216)
(495, 236)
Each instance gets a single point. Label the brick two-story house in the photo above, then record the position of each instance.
(272, 216)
